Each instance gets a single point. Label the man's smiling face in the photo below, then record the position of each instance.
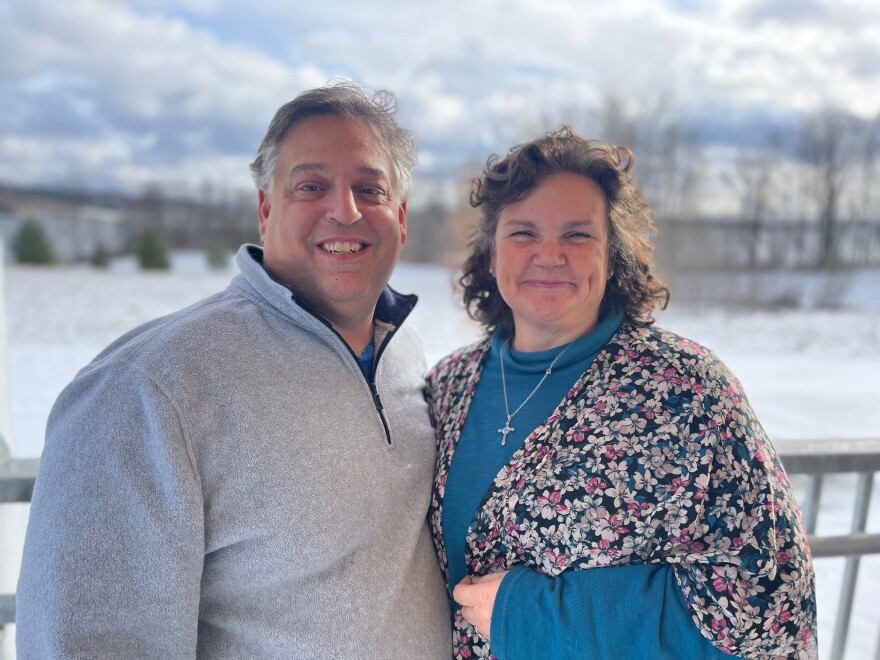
(333, 224)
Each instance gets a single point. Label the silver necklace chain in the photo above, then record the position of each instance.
(508, 429)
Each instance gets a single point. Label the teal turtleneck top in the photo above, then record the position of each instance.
(480, 455)
(633, 611)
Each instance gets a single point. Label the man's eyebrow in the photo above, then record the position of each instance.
(306, 167)
(321, 167)
(373, 171)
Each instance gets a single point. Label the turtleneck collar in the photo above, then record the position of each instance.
(526, 362)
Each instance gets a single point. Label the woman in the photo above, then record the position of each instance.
(577, 435)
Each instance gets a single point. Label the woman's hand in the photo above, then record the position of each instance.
(476, 595)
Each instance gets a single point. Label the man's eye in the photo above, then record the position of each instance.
(371, 190)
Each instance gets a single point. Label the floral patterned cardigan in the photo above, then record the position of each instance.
(654, 456)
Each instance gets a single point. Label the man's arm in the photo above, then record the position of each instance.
(115, 542)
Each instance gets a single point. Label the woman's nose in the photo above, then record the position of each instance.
(549, 254)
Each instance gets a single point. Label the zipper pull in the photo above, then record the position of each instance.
(376, 400)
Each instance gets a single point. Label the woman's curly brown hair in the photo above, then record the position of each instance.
(633, 289)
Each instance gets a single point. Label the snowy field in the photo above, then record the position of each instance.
(808, 374)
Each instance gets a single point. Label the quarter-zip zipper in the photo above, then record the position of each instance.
(381, 410)
(371, 380)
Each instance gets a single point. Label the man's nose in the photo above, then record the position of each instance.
(343, 208)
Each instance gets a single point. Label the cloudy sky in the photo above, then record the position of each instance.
(122, 93)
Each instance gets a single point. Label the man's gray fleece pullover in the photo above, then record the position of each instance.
(221, 483)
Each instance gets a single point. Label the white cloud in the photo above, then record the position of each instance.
(34, 160)
(197, 7)
(149, 66)
(471, 76)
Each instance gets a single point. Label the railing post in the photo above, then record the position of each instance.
(851, 573)
(11, 538)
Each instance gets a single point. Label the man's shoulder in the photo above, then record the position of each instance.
(408, 340)
(192, 329)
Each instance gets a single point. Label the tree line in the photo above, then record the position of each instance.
(800, 195)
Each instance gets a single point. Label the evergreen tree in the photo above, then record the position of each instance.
(100, 257)
(217, 257)
(30, 245)
(152, 251)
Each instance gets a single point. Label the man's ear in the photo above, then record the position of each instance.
(401, 218)
(264, 205)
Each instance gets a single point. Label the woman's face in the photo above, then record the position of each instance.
(551, 260)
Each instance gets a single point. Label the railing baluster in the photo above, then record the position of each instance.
(814, 495)
(847, 593)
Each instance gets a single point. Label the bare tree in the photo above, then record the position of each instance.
(428, 232)
(147, 213)
(754, 181)
(825, 149)
(616, 122)
(668, 156)
(868, 193)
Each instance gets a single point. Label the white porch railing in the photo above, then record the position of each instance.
(814, 458)
(818, 459)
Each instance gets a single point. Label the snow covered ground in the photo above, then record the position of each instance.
(808, 374)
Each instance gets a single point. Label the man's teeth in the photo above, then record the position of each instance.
(342, 247)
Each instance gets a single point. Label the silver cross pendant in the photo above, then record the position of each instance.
(507, 430)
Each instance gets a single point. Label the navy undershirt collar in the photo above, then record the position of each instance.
(365, 359)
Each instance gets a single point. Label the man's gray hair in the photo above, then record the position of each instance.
(347, 100)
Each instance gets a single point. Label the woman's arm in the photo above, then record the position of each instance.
(745, 568)
(634, 611)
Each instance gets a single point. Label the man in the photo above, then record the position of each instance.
(249, 477)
